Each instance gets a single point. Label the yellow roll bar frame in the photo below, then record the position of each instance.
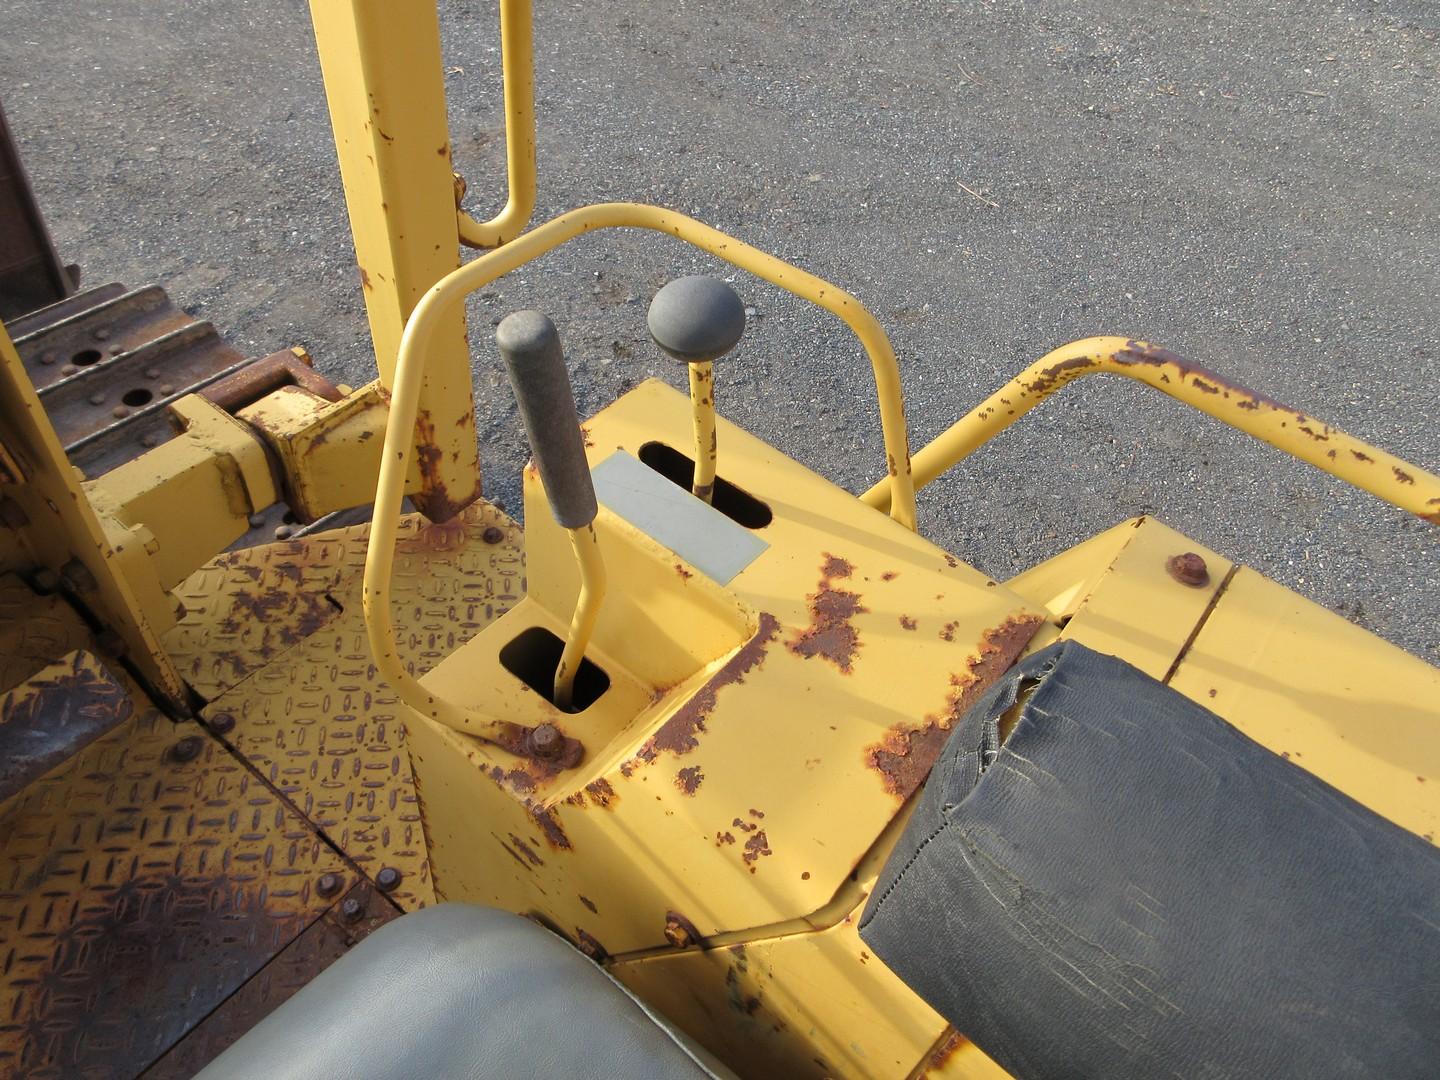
(1298, 434)
(448, 293)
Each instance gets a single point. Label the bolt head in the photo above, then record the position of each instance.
(187, 749)
(387, 878)
(493, 534)
(351, 909)
(546, 740)
(1189, 569)
(329, 884)
(222, 723)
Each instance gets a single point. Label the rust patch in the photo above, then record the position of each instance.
(724, 838)
(1360, 455)
(907, 623)
(904, 756)
(591, 947)
(947, 632)
(755, 847)
(1401, 475)
(1057, 375)
(589, 904)
(365, 279)
(527, 851)
(889, 575)
(830, 634)
(601, 793)
(689, 778)
(434, 499)
(685, 575)
(942, 1052)
(549, 824)
(680, 931)
(679, 734)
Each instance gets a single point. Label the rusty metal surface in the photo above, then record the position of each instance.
(347, 922)
(29, 323)
(142, 883)
(35, 630)
(91, 335)
(31, 273)
(138, 381)
(54, 714)
(292, 367)
(275, 638)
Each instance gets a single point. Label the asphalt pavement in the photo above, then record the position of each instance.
(1253, 185)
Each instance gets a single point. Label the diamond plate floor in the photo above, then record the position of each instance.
(167, 886)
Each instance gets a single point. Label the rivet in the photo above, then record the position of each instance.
(493, 534)
(187, 749)
(351, 909)
(222, 723)
(387, 878)
(328, 885)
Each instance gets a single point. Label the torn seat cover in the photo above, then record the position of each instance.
(1127, 886)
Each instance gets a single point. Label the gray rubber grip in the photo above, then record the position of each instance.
(530, 347)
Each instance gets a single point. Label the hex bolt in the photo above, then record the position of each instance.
(12, 514)
(77, 576)
(187, 749)
(1188, 569)
(678, 932)
(328, 885)
(493, 534)
(547, 741)
(222, 723)
(351, 909)
(387, 879)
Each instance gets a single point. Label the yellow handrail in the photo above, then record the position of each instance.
(1298, 434)
(517, 65)
(451, 289)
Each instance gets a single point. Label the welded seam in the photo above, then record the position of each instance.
(1200, 624)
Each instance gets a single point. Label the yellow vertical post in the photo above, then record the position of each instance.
(385, 87)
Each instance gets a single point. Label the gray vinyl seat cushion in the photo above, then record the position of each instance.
(462, 991)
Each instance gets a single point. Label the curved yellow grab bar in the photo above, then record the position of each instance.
(1383, 475)
(405, 392)
(517, 64)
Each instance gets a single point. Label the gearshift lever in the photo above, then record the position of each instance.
(697, 320)
(530, 347)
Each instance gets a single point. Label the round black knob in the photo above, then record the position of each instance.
(696, 319)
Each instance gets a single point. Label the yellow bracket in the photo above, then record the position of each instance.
(1298, 434)
(447, 293)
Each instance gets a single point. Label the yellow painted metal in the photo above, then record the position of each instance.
(587, 610)
(189, 497)
(518, 68)
(1383, 475)
(416, 348)
(702, 406)
(757, 736)
(1320, 691)
(273, 637)
(385, 88)
(1115, 595)
(118, 586)
(34, 630)
(329, 451)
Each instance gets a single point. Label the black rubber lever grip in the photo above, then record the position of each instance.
(530, 347)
